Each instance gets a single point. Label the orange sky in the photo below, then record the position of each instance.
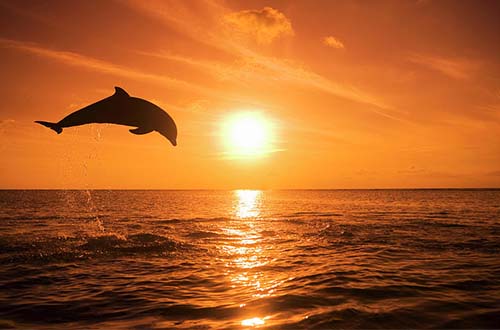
(361, 94)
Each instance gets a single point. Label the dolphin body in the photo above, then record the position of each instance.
(122, 109)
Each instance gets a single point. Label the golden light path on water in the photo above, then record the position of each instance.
(248, 203)
(247, 254)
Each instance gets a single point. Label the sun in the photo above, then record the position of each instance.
(247, 134)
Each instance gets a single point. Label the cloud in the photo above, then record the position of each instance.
(253, 64)
(333, 42)
(263, 25)
(254, 68)
(451, 67)
(75, 59)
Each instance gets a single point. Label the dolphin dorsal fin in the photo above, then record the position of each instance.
(120, 92)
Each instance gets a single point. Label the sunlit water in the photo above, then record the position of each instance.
(250, 259)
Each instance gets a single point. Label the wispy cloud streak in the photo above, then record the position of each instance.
(285, 70)
(264, 69)
(105, 67)
(75, 59)
(451, 67)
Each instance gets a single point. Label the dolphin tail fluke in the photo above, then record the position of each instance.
(53, 126)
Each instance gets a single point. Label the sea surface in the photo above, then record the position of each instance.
(298, 259)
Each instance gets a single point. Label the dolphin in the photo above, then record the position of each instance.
(122, 109)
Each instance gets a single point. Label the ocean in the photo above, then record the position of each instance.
(244, 259)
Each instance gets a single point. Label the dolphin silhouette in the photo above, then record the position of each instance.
(122, 109)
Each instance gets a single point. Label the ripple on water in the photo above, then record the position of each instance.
(233, 260)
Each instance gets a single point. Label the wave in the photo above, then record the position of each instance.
(34, 217)
(205, 234)
(317, 214)
(67, 249)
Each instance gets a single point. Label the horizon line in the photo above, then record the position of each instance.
(235, 189)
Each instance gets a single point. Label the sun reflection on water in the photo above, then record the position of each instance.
(254, 321)
(248, 203)
(247, 252)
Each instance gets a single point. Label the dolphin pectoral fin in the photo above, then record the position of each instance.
(141, 130)
(120, 92)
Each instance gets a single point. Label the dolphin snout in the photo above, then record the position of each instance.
(170, 137)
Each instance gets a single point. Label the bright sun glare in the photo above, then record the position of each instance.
(247, 134)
